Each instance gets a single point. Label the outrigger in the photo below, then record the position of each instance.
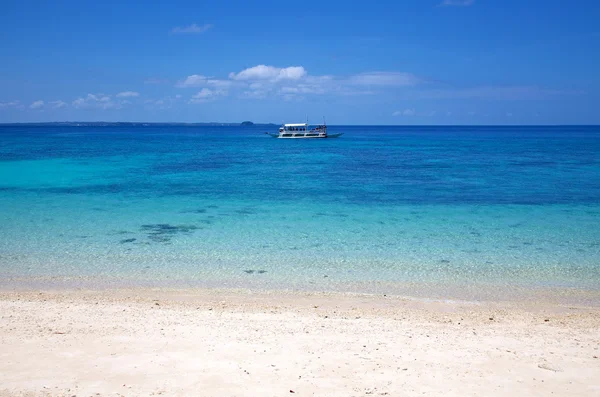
(303, 130)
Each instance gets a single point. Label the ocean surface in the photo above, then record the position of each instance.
(376, 210)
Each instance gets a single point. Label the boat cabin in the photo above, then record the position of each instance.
(294, 128)
(302, 130)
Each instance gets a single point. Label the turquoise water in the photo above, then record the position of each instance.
(230, 206)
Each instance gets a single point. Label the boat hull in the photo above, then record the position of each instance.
(304, 136)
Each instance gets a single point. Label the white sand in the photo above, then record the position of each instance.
(235, 343)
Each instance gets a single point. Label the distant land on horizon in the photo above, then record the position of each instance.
(133, 124)
(252, 124)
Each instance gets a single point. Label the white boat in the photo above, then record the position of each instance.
(303, 130)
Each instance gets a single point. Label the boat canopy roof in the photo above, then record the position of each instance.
(296, 125)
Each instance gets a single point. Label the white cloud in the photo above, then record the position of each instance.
(319, 79)
(269, 73)
(97, 101)
(257, 86)
(257, 82)
(303, 89)
(191, 29)
(412, 112)
(198, 80)
(128, 94)
(37, 105)
(405, 112)
(255, 94)
(291, 97)
(267, 81)
(163, 103)
(264, 81)
(58, 104)
(289, 90)
(195, 80)
(9, 104)
(78, 103)
(457, 3)
(206, 94)
(219, 83)
(385, 79)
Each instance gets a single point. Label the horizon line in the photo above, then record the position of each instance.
(271, 123)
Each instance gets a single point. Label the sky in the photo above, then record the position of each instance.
(402, 62)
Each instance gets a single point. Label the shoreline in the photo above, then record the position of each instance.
(240, 342)
(479, 292)
(288, 299)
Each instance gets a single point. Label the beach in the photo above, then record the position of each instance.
(240, 342)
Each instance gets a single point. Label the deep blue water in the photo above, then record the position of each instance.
(232, 206)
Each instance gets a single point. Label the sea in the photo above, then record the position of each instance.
(444, 212)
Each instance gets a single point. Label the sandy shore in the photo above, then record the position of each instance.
(143, 342)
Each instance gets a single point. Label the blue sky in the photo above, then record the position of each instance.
(376, 62)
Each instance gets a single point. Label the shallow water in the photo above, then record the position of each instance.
(511, 206)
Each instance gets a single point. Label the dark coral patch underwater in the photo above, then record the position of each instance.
(164, 232)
